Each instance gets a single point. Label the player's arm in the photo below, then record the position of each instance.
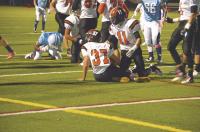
(101, 8)
(35, 3)
(86, 61)
(194, 11)
(53, 5)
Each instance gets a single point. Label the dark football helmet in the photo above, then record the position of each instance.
(117, 15)
(93, 35)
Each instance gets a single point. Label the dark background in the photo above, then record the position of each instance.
(30, 2)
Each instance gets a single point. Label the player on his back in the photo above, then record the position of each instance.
(40, 10)
(101, 57)
(48, 42)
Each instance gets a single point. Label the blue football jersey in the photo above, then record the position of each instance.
(152, 9)
(43, 39)
(42, 3)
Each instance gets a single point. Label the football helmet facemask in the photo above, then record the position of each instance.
(93, 35)
(117, 15)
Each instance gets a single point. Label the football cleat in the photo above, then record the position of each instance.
(124, 80)
(10, 55)
(159, 61)
(150, 59)
(179, 76)
(187, 80)
(34, 30)
(155, 69)
(196, 73)
(29, 56)
(142, 79)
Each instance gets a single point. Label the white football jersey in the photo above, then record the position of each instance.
(72, 22)
(99, 54)
(106, 14)
(63, 7)
(185, 9)
(88, 9)
(125, 33)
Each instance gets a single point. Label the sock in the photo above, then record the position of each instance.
(159, 51)
(43, 25)
(190, 72)
(182, 68)
(9, 48)
(150, 50)
(35, 24)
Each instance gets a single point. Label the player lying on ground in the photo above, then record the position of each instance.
(5, 44)
(101, 57)
(48, 42)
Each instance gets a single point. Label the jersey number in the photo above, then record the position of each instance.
(97, 60)
(122, 37)
(151, 7)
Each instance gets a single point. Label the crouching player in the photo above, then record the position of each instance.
(100, 55)
(48, 42)
(127, 33)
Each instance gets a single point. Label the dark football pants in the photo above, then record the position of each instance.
(60, 18)
(196, 38)
(85, 25)
(105, 30)
(176, 37)
(75, 51)
(138, 60)
(111, 72)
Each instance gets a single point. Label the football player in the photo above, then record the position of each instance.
(72, 34)
(88, 16)
(40, 10)
(127, 33)
(152, 26)
(10, 50)
(191, 33)
(101, 57)
(48, 42)
(104, 8)
(140, 9)
(185, 13)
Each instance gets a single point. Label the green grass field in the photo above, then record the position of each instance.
(46, 96)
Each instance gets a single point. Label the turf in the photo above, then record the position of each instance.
(63, 89)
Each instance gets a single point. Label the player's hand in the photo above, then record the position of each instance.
(131, 51)
(184, 32)
(169, 20)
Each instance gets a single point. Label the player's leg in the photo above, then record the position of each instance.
(176, 37)
(37, 19)
(196, 48)
(155, 29)
(44, 19)
(125, 62)
(148, 41)
(5, 44)
(75, 51)
(188, 56)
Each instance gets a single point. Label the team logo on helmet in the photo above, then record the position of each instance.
(93, 35)
(117, 15)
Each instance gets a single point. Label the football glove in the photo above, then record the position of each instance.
(131, 51)
(184, 32)
(169, 20)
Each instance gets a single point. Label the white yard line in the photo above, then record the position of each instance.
(99, 106)
(40, 73)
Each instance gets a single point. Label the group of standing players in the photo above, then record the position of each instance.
(77, 22)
